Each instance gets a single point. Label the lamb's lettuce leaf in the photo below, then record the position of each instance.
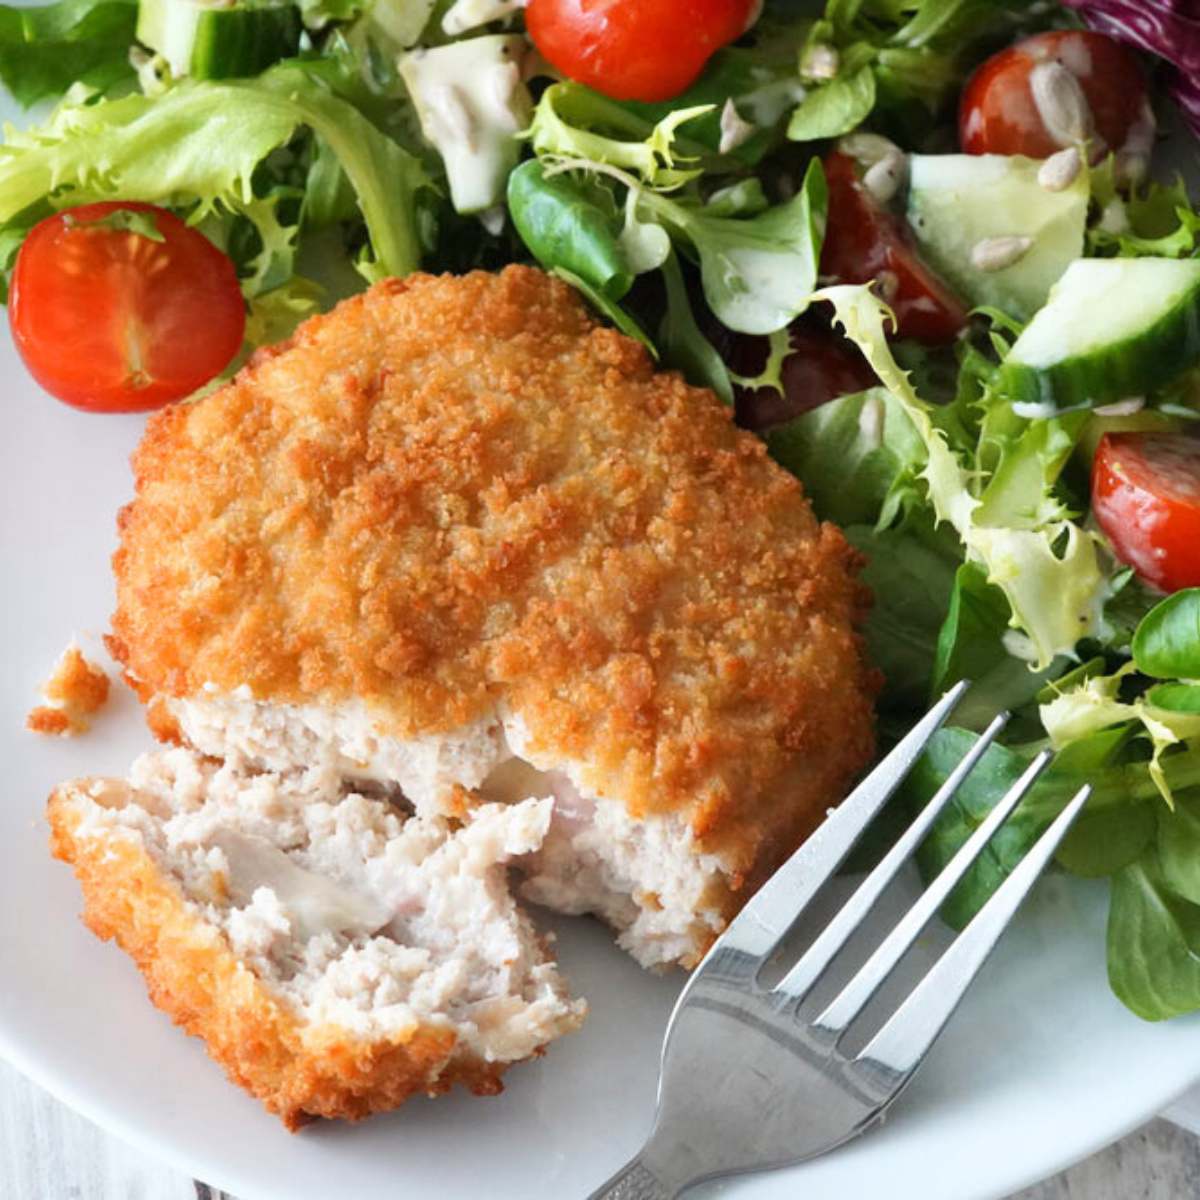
(1153, 942)
(571, 223)
(1117, 826)
(683, 343)
(837, 108)
(1167, 642)
(758, 273)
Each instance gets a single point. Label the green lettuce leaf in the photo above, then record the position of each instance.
(1154, 219)
(910, 571)
(1153, 943)
(1051, 573)
(758, 273)
(44, 50)
(198, 146)
(760, 81)
(1167, 641)
(1095, 704)
(858, 457)
(682, 341)
(974, 643)
(836, 108)
(652, 156)
(1179, 847)
(1116, 827)
(569, 222)
(274, 315)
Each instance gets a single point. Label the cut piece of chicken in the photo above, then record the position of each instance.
(453, 522)
(335, 954)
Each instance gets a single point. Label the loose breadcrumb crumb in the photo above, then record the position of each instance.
(76, 691)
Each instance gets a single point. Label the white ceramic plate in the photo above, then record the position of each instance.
(1040, 1067)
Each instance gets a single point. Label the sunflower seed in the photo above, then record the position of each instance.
(820, 62)
(1122, 408)
(996, 253)
(1061, 104)
(867, 148)
(883, 179)
(734, 131)
(1060, 170)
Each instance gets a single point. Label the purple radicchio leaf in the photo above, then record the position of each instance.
(1169, 29)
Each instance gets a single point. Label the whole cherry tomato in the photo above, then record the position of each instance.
(114, 317)
(864, 242)
(1053, 90)
(1146, 498)
(635, 49)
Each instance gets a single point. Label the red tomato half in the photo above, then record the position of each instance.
(822, 366)
(999, 113)
(1146, 498)
(109, 319)
(863, 241)
(635, 49)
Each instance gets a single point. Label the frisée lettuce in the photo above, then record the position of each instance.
(201, 147)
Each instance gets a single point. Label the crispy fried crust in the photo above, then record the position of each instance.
(456, 491)
(77, 690)
(299, 1071)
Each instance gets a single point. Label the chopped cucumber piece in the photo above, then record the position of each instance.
(209, 42)
(472, 103)
(1112, 328)
(401, 22)
(960, 205)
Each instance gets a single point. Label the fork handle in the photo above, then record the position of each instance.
(635, 1181)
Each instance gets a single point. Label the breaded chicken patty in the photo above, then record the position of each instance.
(457, 539)
(335, 955)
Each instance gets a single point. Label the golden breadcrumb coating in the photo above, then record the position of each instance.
(77, 690)
(455, 492)
(299, 1071)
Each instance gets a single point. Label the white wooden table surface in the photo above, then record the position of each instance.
(48, 1152)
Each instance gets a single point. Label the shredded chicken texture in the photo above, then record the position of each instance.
(288, 912)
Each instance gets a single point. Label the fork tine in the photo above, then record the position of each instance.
(777, 904)
(854, 997)
(796, 984)
(902, 1042)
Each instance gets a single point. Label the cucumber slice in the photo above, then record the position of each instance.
(472, 103)
(207, 42)
(1113, 327)
(958, 201)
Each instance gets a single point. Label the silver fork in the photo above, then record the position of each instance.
(748, 1079)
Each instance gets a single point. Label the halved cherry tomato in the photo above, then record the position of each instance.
(863, 241)
(1000, 114)
(1146, 498)
(821, 367)
(109, 319)
(635, 49)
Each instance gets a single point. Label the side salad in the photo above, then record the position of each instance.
(922, 247)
